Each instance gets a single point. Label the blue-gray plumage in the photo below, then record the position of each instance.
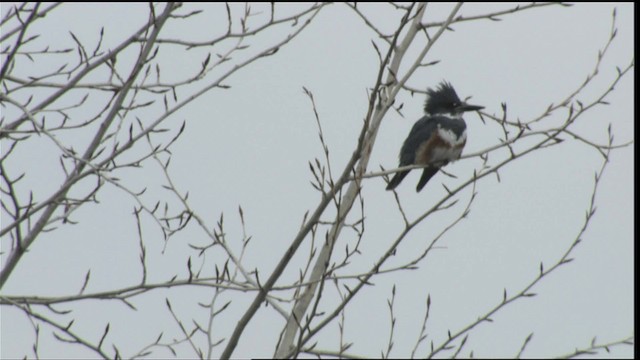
(438, 137)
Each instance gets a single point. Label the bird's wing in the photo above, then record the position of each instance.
(421, 131)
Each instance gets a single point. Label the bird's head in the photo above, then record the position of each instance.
(444, 100)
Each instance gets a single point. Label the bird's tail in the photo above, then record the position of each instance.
(397, 179)
(426, 175)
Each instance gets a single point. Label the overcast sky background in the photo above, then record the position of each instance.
(250, 145)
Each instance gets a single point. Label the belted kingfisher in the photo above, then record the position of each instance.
(438, 137)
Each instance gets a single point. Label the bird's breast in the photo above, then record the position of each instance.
(444, 145)
(451, 137)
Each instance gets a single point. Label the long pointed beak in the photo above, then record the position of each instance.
(467, 107)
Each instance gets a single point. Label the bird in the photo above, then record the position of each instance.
(438, 137)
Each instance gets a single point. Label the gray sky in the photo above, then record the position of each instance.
(250, 146)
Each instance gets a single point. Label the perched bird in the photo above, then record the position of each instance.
(438, 137)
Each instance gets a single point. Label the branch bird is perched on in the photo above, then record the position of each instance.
(438, 137)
